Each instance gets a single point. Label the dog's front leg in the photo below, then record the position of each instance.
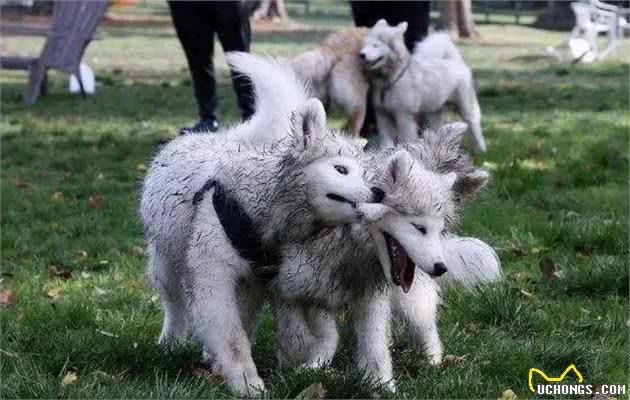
(386, 128)
(371, 323)
(407, 126)
(419, 308)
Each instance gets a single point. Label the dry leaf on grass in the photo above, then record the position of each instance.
(55, 272)
(548, 268)
(58, 196)
(82, 253)
(70, 377)
(54, 293)
(7, 297)
(208, 375)
(314, 391)
(141, 167)
(508, 395)
(450, 359)
(96, 201)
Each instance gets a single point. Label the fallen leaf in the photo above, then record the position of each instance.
(96, 201)
(141, 167)
(103, 377)
(105, 333)
(508, 394)
(58, 196)
(85, 275)
(69, 378)
(134, 285)
(138, 250)
(100, 291)
(54, 293)
(7, 297)
(548, 268)
(103, 262)
(208, 375)
(450, 359)
(155, 298)
(314, 391)
(55, 272)
(527, 294)
(82, 253)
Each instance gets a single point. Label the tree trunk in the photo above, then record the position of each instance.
(449, 16)
(457, 18)
(465, 22)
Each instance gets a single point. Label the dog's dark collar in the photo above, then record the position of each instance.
(395, 81)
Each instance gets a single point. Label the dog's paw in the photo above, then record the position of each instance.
(435, 359)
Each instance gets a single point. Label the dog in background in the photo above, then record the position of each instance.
(409, 90)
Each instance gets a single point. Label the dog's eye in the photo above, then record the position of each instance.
(421, 229)
(341, 169)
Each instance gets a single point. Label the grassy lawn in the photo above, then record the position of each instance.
(71, 168)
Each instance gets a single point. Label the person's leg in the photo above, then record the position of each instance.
(366, 13)
(232, 27)
(195, 32)
(415, 13)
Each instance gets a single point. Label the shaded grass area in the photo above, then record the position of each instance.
(558, 153)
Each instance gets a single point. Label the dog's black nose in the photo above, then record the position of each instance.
(362, 56)
(439, 269)
(378, 194)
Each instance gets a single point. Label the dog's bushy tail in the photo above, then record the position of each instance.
(278, 93)
(437, 45)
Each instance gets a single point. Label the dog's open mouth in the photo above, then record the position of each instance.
(341, 199)
(402, 267)
(373, 63)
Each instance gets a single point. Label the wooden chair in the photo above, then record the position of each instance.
(72, 29)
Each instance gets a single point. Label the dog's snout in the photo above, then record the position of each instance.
(362, 55)
(439, 269)
(377, 194)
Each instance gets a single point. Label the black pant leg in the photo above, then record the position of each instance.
(416, 14)
(232, 26)
(195, 32)
(366, 13)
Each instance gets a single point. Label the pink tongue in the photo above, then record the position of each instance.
(405, 269)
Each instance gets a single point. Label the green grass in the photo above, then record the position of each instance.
(558, 152)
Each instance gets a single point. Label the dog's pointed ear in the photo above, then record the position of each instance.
(380, 23)
(360, 143)
(453, 133)
(402, 27)
(309, 122)
(398, 166)
(468, 185)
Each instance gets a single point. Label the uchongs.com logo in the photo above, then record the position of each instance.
(556, 386)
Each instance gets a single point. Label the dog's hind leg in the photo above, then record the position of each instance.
(308, 336)
(348, 89)
(166, 280)
(419, 309)
(468, 107)
(214, 270)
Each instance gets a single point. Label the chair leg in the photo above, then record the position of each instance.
(37, 76)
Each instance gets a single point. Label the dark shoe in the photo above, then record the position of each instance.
(206, 125)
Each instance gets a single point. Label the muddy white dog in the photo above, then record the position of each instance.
(247, 199)
(357, 268)
(409, 89)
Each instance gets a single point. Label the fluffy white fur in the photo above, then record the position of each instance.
(207, 198)
(410, 89)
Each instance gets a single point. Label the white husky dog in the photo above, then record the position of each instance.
(408, 89)
(343, 269)
(261, 195)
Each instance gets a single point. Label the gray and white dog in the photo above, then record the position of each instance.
(230, 203)
(357, 267)
(408, 89)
